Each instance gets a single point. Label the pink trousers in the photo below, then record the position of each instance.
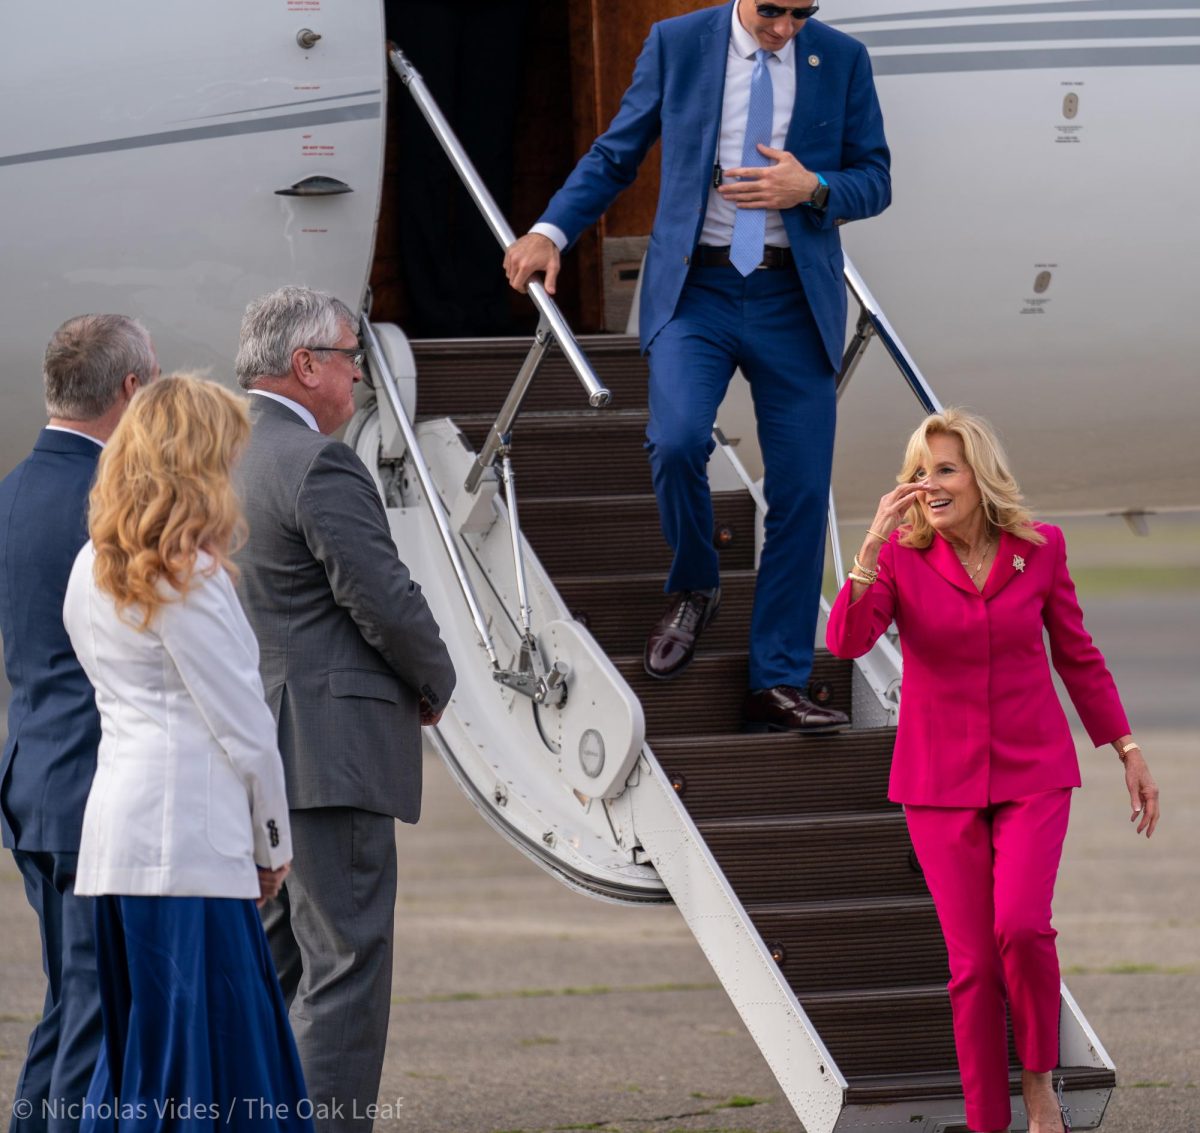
(991, 873)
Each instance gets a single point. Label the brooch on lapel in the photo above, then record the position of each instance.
(1018, 563)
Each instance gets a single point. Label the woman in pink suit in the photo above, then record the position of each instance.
(984, 762)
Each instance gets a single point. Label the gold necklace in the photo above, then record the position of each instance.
(973, 571)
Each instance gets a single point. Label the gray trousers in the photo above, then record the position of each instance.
(331, 933)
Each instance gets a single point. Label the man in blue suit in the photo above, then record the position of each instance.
(93, 366)
(772, 137)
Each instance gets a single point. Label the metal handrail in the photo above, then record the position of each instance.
(386, 381)
(872, 322)
(552, 326)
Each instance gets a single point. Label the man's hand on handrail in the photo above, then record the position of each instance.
(531, 254)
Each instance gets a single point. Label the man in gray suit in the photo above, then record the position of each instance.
(353, 664)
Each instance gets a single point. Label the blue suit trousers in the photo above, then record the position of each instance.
(762, 324)
(64, 1044)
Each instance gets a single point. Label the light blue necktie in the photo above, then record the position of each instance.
(746, 243)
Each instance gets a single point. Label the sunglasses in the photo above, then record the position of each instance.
(774, 11)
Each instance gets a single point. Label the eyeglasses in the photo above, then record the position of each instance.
(774, 11)
(356, 354)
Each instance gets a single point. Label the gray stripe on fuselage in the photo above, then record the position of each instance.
(1033, 32)
(1035, 58)
(361, 112)
(1054, 9)
(282, 105)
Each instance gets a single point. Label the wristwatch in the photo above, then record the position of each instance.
(820, 195)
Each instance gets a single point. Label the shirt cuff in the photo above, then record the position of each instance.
(551, 232)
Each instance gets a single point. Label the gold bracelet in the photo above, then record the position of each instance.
(881, 538)
(874, 574)
(1125, 749)
(860, 578)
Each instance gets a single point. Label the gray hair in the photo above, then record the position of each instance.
(276, 325)
(87, 361)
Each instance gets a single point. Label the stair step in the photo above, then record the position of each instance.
(456, 375)
(621, 534)
(620, 610)
(905, 1031)
(706, 699)
(889, 1089)
(780, 774)
(889, 942)
(598, 453)
(836, 857)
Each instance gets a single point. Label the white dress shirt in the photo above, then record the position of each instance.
(75, 433)
(739, 69)
(304, 414)
(189, 793)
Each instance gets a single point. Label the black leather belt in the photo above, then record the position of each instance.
(774, 259)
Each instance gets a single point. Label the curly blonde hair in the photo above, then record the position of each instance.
(1003, 506)
(163, 493)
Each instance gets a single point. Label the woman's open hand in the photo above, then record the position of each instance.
(1143, 792)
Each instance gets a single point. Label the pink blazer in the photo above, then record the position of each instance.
(980, 721)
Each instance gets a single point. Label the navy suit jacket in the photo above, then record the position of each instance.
(677, 92)
(53, 726)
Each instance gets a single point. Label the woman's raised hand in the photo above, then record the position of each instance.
(893, 507)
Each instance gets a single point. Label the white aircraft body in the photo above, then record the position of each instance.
(142, 151)
(1038, 260)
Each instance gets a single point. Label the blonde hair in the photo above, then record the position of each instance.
(163, 492)
(1003, 506)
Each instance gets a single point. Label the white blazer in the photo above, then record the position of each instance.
(188, 795)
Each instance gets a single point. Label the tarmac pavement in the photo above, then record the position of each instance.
(521, 1007)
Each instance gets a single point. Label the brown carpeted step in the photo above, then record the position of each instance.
(887, 942)
(779, 774)
(836, 858)
(706, 698)
(598, 453)
(621, 609)
(456, 375)
(902, 1031)
(621, 534)
(890, 1089)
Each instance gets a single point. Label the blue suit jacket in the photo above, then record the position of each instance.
(53, 726)
(677, 91)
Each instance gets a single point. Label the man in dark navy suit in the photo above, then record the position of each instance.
(772, 137)
(93, 366)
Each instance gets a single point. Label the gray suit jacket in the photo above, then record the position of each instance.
(347, 641)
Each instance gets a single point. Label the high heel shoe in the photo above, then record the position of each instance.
(1063, 1108)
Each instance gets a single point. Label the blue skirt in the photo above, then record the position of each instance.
(196, 1033)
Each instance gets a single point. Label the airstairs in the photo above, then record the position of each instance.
(781, 852)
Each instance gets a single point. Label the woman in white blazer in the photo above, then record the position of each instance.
(186, 825)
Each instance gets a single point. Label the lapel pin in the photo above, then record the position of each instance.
(814, 60)
(1018, 562)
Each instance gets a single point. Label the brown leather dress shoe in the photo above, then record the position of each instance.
(672, 643)
(787, 709)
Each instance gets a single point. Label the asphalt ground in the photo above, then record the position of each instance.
(521, 1007)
